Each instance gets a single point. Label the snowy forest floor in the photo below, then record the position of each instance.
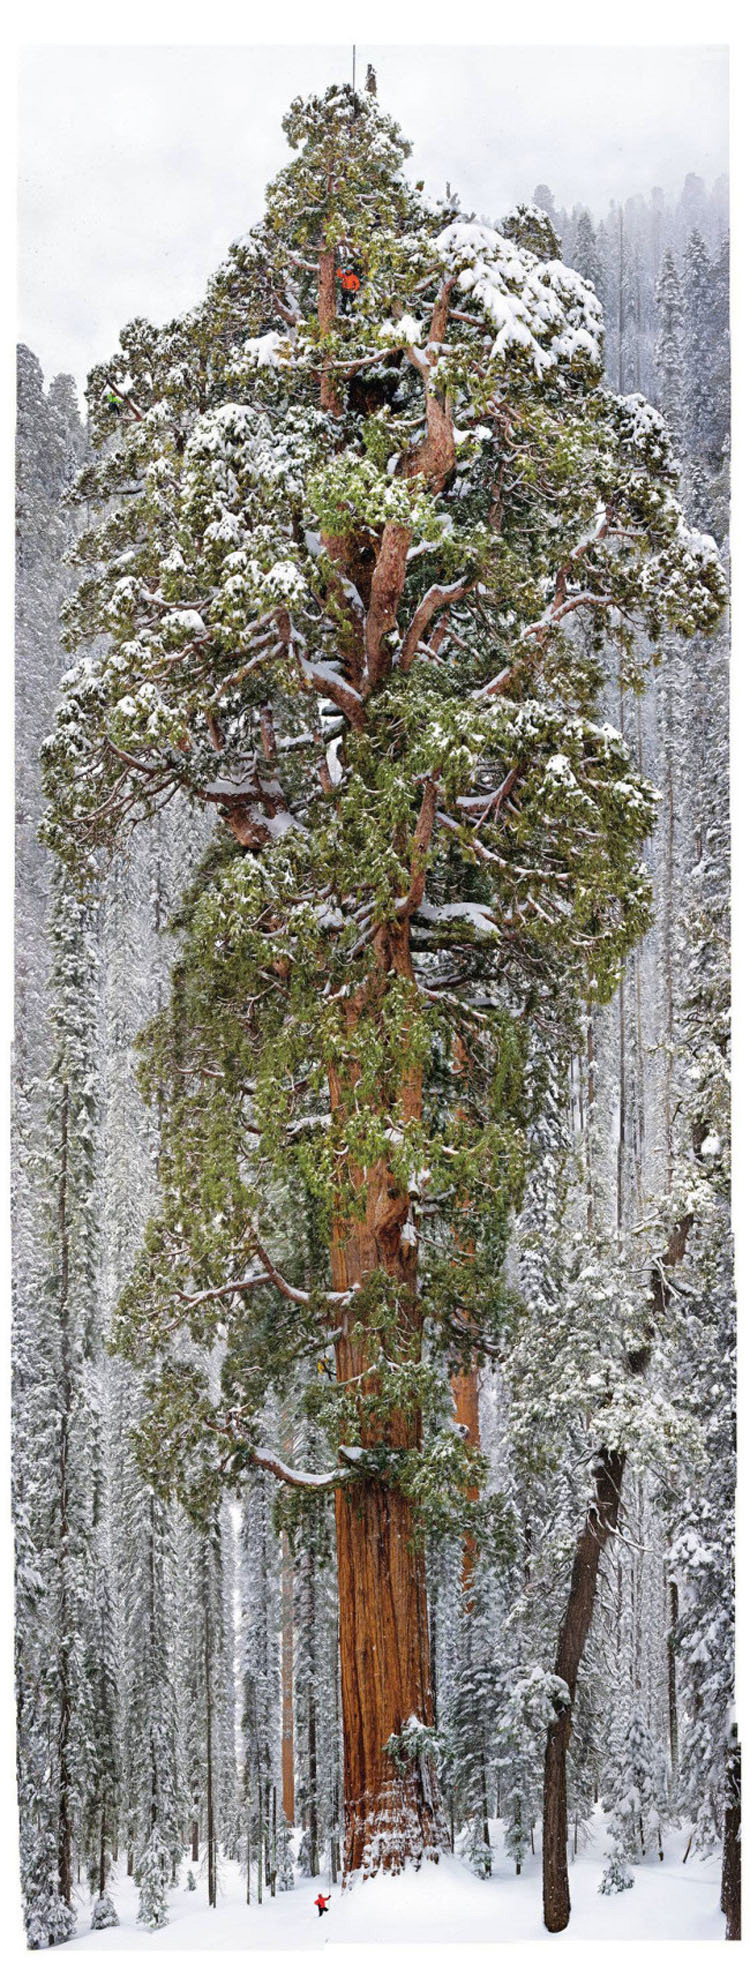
(438, 1905)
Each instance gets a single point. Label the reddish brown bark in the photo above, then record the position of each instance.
(329, 396)
(392, 1807)
(391, 1815)
(465, 1389)
(385, 592)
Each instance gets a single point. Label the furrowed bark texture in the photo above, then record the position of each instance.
(393, 1812)
(391, 1816)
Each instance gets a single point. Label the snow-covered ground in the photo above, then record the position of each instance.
(443, 1905)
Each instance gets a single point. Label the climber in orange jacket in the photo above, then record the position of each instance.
(321, 1904)
(350, 283)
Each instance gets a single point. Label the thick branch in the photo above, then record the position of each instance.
(272, 1274)
(422, 838)
(296, 1478)
(437, 597)
(385, 593)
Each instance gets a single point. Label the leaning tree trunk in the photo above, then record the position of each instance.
(731, 1871)
(601, 1522)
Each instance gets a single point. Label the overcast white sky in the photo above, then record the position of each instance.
(139, 165)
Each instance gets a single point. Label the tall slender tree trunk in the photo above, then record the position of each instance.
(287, 1680)
(731, 1872)
(103, 1848)
(601, 1523)
(65, 1817)
(210, 1822)
(674, 1614)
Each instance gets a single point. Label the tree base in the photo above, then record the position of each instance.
(399, 1827)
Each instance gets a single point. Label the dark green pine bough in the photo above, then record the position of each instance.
(350, 588)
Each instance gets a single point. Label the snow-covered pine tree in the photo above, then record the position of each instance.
(698, 315)
(70, 1701)
(205, 1690)
(154, 1808)
(585, 255)
(669, 354)
(49, 445)
(259, 1571)
(634, 1786)
(339, 562)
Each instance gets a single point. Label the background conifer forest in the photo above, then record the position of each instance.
(373, 1470)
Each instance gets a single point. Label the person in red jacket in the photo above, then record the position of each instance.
(321, 1904)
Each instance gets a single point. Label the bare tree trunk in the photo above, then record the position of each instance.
(731, 1872)
(210, 1828)
(601, 1523)
(674, 1613)
(64, 1817)
(273, 1842)
(287, 1680)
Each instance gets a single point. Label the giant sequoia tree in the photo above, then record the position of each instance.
(350, 588)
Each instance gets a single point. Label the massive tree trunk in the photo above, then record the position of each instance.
(601, 1523)
(392, 1807)
(465, 1389)
(393, 1810)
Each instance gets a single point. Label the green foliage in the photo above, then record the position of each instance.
(377, 657)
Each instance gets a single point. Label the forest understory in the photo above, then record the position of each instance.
(670, 1902)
